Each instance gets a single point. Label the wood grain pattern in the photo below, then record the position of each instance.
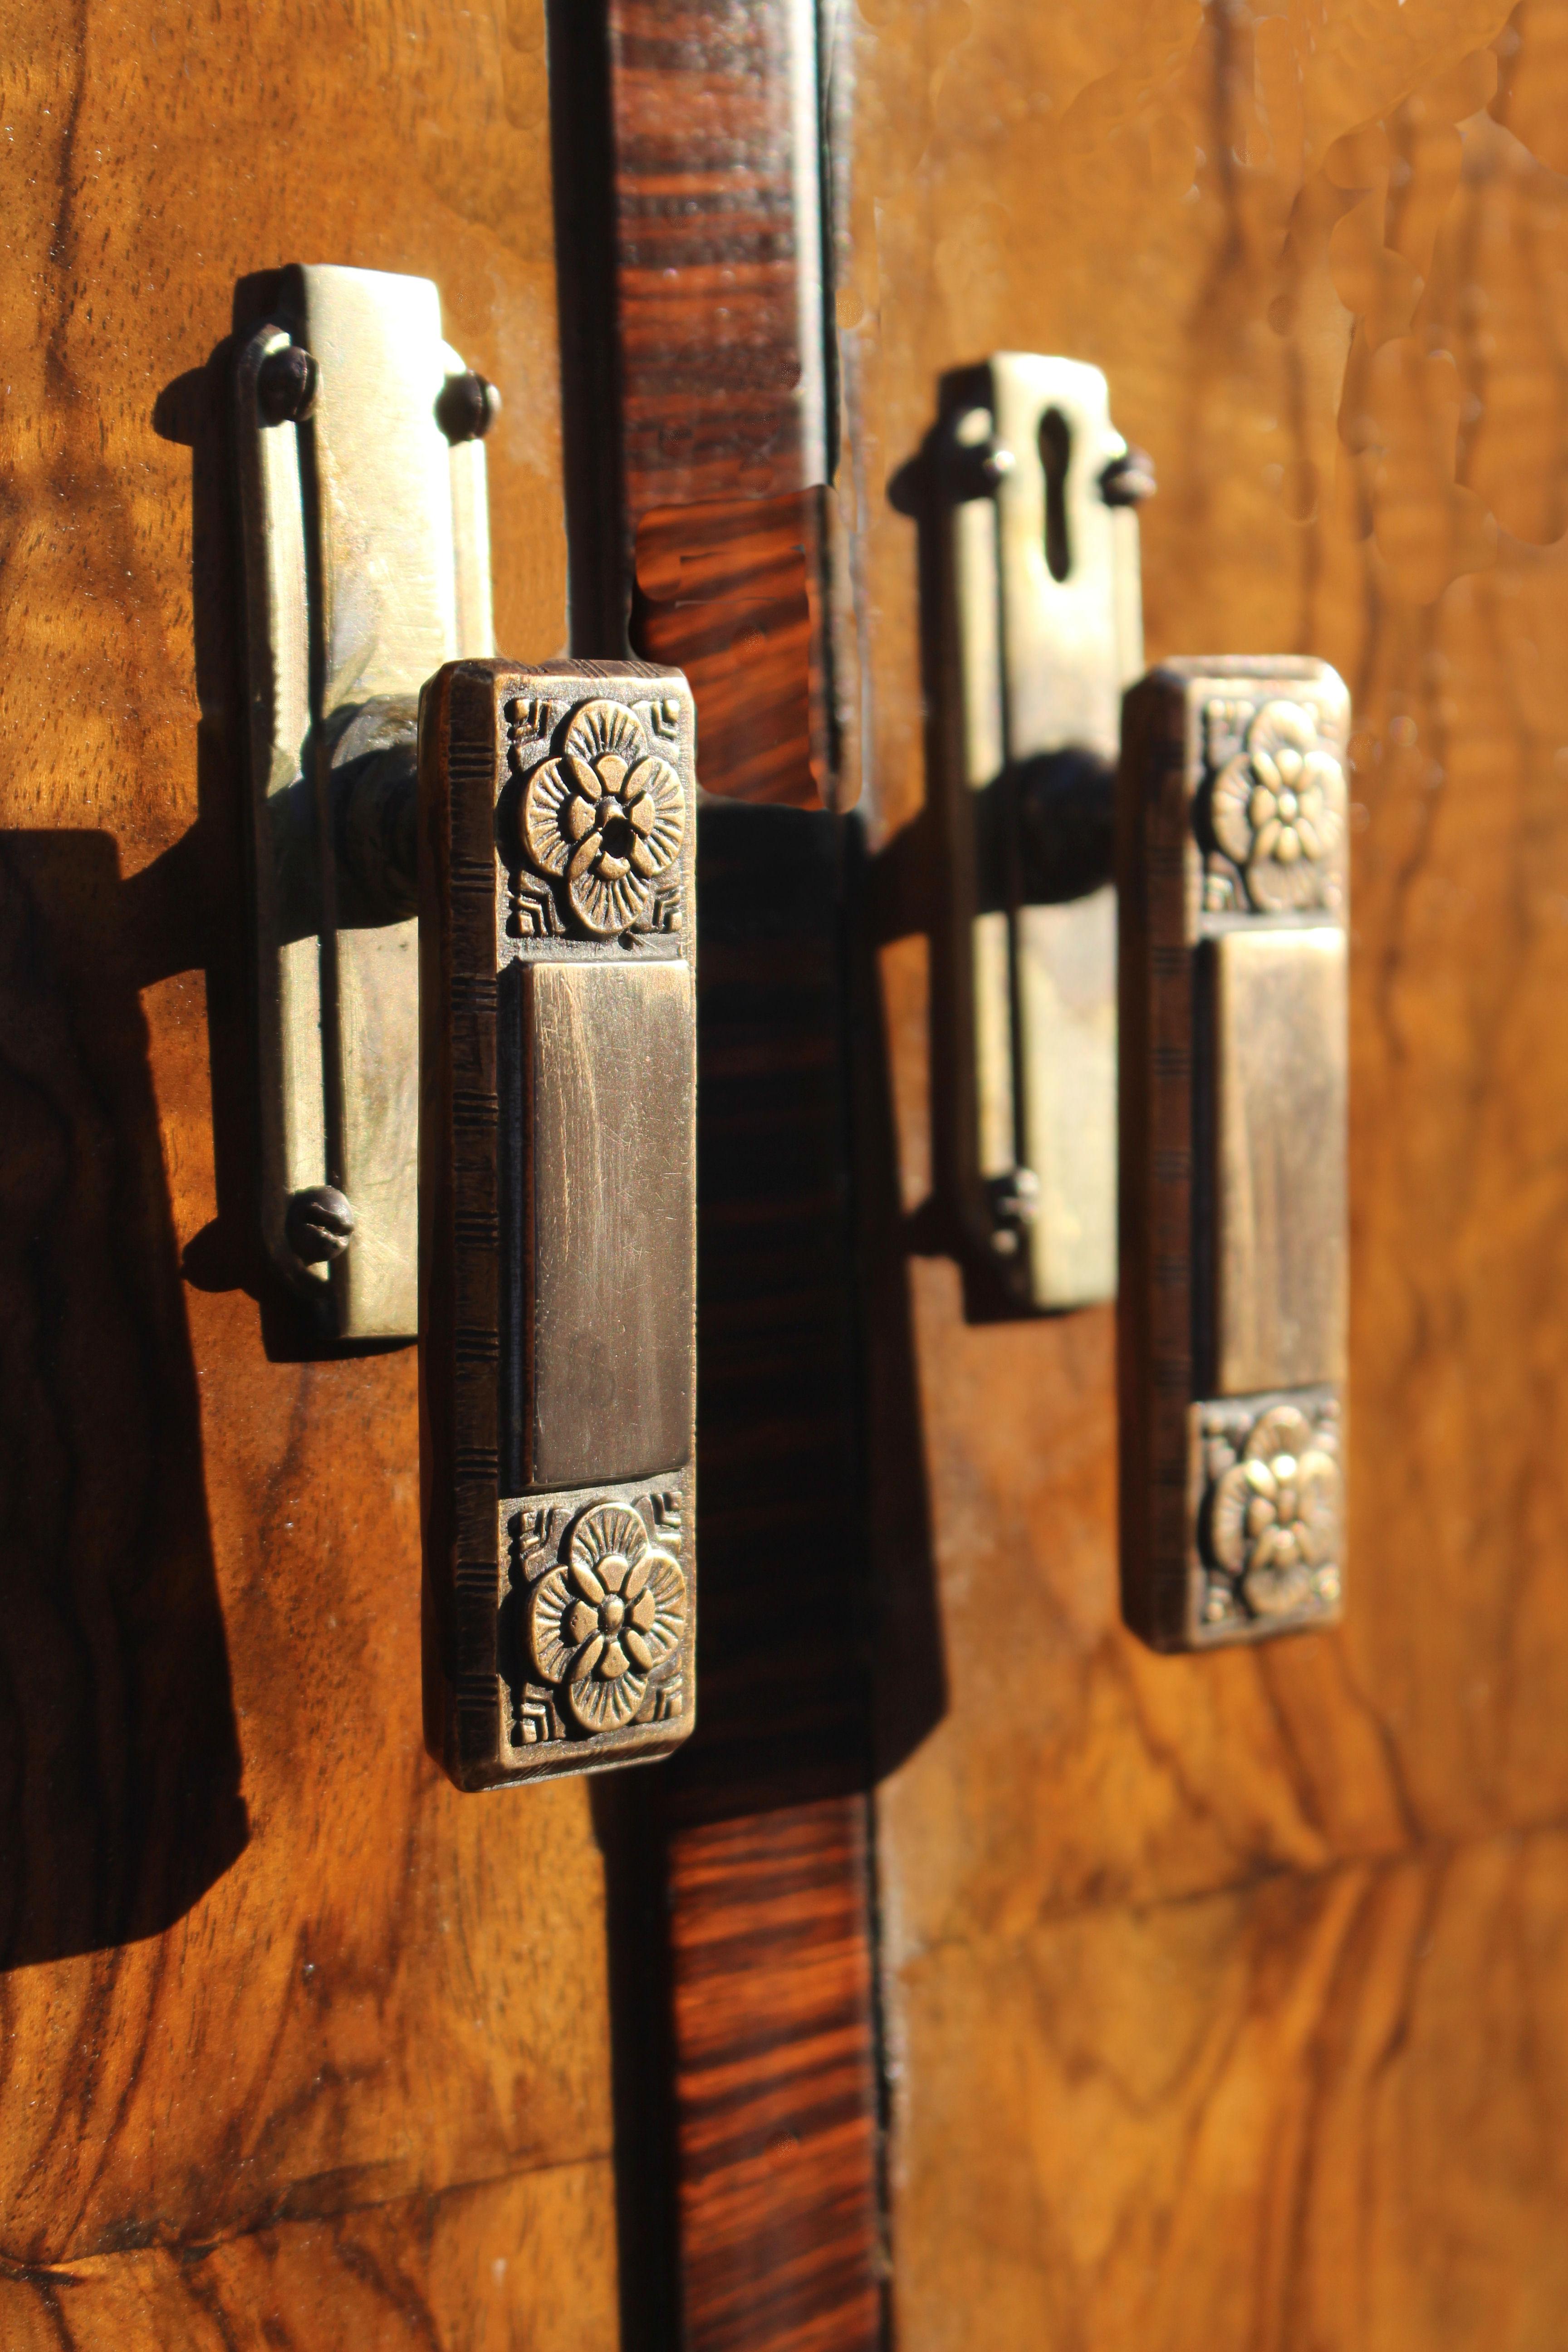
(1316, 271)
(720, 368)
(711, 335)
(500, 2266)
(258, 1963)
(774, 2054)
(729, 590)
(1308, 2111)
(779, 2243)
(773, 2011)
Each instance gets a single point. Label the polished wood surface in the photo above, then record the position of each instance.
(269, 1987)
(730, 589)
(1224, 1993)
(772, 2025)
(706, 252)
(1222, 1996)
(482, 2268)
(763, 1819)
(719, 372)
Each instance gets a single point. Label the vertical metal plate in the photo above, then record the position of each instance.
(366, 567)
(1233, 881)
(1279, 1048)
(558, 1214)
(605, 1214)
(1044, 631)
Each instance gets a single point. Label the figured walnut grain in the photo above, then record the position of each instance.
(249, 1940)
(1317, 272)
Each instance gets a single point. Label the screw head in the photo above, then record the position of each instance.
(320, 1225)
(1129, 479)
(286, 385)
(468, 407)
(1014, 1205)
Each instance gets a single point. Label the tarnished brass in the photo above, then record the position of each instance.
(1279, 1068)
(606, 1187)
(557, 1214)
(1041, 632)
(1232, 873)
(366, 556)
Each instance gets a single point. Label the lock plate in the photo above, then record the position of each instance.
(1043, 631)
(367, 562)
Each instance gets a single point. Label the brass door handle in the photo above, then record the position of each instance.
(1218, 1055)
(474, 931)
(1233, 885)
(557, 1144)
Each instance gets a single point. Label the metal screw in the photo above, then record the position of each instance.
(320, 1225)
(1014, 1205)
(468, 407)
(984, 463)
(286, 385)
(1129, 479)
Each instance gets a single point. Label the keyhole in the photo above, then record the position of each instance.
(1056, 449)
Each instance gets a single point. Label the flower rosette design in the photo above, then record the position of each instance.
(605, 819)
(1279, 808)
(1275, 1514)
(602, 1622)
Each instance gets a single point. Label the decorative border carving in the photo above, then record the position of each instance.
(1268, 1509)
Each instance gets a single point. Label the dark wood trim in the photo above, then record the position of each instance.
(773, 2020)
(715, 383)
(721, 379)
(759, 1996)
(775, 2060)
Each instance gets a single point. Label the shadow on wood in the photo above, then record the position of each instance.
(120, 1762)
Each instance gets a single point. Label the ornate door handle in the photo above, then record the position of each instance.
(557, 1145)
(1233, 880)
(475, 930)
(1219, 1219)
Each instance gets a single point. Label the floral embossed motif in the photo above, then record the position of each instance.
(601, 1624)
(1279, 809)
(1275, 1514)
(605, 819)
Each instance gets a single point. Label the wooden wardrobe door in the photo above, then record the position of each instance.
(1224, 1994)
(299, 2045)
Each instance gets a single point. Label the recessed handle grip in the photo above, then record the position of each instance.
(1233, 880)
(557, 1195)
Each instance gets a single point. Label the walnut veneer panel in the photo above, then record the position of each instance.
(1308, 2112)
(255, 1958)
(1299, 338)
(504, 2266)
(1321, 268)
